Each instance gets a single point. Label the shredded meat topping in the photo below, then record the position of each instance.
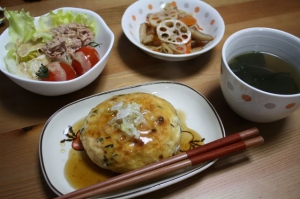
(67, 38)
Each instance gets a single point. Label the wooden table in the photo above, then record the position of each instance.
(268, 171)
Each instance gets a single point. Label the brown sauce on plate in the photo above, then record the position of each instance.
(81, 172)
(189, 138)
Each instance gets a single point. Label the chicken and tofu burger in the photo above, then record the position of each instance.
(129, 131)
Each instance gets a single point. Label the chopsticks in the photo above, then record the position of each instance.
(213, 150)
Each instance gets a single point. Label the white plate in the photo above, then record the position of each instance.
(200, 116)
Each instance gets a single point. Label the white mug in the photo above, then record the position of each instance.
(249, 102)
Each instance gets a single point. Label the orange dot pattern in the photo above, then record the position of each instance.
(246, 98)
(289, 106)
(173, 3)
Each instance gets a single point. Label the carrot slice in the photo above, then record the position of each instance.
(188, 20)
(188, 47)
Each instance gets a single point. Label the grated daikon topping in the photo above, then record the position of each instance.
(131, 117)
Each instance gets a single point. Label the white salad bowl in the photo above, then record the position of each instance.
(104, 36)
(207, 18)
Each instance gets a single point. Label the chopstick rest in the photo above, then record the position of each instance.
(213, 150)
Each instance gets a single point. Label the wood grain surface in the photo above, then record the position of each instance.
(268, 171)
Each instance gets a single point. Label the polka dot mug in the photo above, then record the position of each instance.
(249, 102)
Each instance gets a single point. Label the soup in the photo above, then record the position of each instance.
(266, 72)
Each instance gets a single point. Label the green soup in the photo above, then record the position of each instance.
(266, 72)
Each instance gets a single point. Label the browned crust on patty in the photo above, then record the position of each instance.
(120, 153)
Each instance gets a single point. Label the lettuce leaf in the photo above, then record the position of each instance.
(11, 58)
(53, 19)
(65, 17)
(21, 26)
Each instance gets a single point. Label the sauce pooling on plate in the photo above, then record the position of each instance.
(81, 172)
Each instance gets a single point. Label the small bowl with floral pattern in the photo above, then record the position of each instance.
(169, 28)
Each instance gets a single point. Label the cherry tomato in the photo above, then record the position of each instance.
(56, 71)
(84, 59)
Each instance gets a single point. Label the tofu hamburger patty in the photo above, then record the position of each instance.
(129, 131)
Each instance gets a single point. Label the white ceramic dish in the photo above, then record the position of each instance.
(103, 35)
(247, 101)
(200, 116)
(207, 17)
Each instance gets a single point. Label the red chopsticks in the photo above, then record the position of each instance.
(213, 150)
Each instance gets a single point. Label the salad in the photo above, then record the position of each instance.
(57, 46)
